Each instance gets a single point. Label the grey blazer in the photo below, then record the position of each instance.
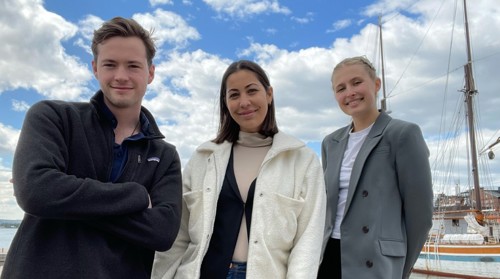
(388, 211)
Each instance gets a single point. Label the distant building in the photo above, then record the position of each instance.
(490, 200)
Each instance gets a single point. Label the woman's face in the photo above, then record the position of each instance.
(247, 100)
(355, 91)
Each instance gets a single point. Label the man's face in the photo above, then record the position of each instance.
(123, 72)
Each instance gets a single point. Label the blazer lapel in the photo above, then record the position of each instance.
(335, 151)
(371, 141)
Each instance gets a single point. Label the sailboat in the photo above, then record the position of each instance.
(464, 241)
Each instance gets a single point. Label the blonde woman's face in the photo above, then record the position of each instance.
(354, 90)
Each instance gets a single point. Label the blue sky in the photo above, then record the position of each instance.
(45, 55)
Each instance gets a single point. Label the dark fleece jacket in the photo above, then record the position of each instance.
(77, 223)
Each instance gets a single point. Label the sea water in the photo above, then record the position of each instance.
(6, 236)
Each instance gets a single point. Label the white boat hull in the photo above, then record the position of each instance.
(464, 261)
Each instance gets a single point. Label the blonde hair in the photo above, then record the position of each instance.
(357, 60)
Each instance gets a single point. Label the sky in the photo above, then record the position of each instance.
(45, 54)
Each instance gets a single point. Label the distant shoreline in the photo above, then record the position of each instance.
(10, 224)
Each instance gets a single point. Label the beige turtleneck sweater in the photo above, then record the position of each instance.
(249, 152)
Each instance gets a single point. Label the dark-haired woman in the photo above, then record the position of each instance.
(254, 197)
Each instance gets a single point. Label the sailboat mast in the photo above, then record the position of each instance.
(383, 104)
(469, 92)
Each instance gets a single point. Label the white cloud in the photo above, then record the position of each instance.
(31, 53)
(186, 87)
(20, 105)
(271, 31)
(9, 138)
(339, 25)
(168, 27)
(86, 28)
(154, 3)
(242, 8)
(304, 20)
(388, 6)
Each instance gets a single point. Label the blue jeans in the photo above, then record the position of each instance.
(237, 270)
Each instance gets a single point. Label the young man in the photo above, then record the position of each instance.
(100, 187)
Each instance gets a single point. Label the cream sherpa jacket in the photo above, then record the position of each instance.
(288, 213)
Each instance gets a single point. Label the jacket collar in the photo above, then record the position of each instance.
(378, 128)
(380, 124)
(148, 123)
(281, 142)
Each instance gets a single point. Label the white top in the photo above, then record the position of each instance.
(354, 144)
(249, 152)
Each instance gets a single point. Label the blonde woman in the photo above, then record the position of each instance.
(378, 181)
